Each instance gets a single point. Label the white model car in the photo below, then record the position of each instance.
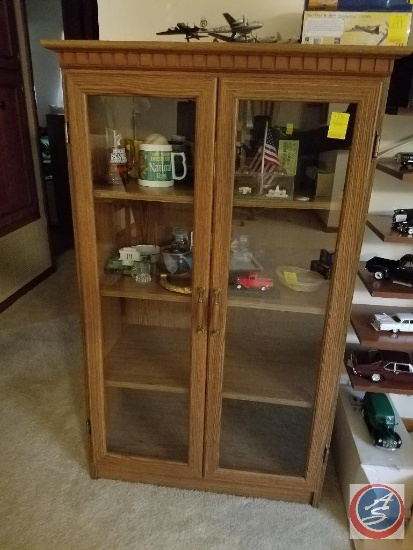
(402, 322)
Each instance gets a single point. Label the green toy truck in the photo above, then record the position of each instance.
(379, 417)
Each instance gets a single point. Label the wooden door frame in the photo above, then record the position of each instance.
(80, 19)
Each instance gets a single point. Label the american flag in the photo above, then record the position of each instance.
(271, 160)
(270, 151)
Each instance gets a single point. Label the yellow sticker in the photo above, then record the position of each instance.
(338, 125)
(290, 126)
(398, 29)
(290, 277)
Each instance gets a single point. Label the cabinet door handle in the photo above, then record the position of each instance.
(216, 293)
(200, 313)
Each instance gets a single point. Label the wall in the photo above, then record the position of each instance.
(44, 20)
(141, 20)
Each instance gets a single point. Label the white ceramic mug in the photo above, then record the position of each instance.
(157, 165)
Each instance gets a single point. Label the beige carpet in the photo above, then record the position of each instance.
(49, 502)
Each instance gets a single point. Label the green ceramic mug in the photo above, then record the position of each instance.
(157, 165)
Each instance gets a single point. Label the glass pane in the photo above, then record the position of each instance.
(291, 162)
(143, 177)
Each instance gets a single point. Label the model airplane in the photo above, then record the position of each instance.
(183, 28)
(239, 29)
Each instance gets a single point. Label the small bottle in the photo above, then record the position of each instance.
(180, 239)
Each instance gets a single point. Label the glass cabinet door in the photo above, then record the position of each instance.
(278, 324)
(151, 205)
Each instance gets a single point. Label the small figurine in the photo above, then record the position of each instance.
(380, 420)
(253, 280)
(405, 160)
(128, 255)
(403, 220)
(245, 190)
(395, 270)
(399, 322)
(277, 192)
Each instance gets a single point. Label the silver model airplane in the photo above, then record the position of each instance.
(183, 28)
(239, 29)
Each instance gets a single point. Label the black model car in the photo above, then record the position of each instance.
(379, 417)
(403, 220)
(395, 270)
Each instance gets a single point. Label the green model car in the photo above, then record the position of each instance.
(379, 417)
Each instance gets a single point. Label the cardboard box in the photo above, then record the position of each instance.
(356, 28)
(359, 5)
(358, 460)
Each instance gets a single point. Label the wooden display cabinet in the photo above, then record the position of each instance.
(226, 389)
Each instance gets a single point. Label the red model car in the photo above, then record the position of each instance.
(378, 365)
(253, 280)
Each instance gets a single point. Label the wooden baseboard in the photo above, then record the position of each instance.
(24, 289)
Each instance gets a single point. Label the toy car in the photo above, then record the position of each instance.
(405, 159)
(400, 270)
(399, 322)
(377, 365)
(403, 221)
(380, 420)
(253, 280)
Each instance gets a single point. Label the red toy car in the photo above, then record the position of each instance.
(252, 280)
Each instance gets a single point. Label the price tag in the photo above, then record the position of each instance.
(290, 277)
(290, 126)
(398, 29)
(338, 125)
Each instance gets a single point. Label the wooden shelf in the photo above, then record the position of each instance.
(265, 202)
(361, 316)
(393, 168)
(381, 226)
(150, 358)
(281, 299)
(362, 384)
(123, 286)
(260, 437)
(266, 370)
(384, 288)
(147, 424)
(256, 368)
(135, 192)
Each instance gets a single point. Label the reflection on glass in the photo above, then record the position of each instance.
(291, 162)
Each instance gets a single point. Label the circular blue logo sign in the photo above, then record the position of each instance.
(376, 511)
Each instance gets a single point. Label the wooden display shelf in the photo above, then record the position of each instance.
(281, 299)
(150, 358)
(135, 192)
(265, 202)
(393, 168)
(361, 316)
(266, 370)
(387, 386)
(381, 226)
(123, 286)
(384, 288)
(256, 368)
